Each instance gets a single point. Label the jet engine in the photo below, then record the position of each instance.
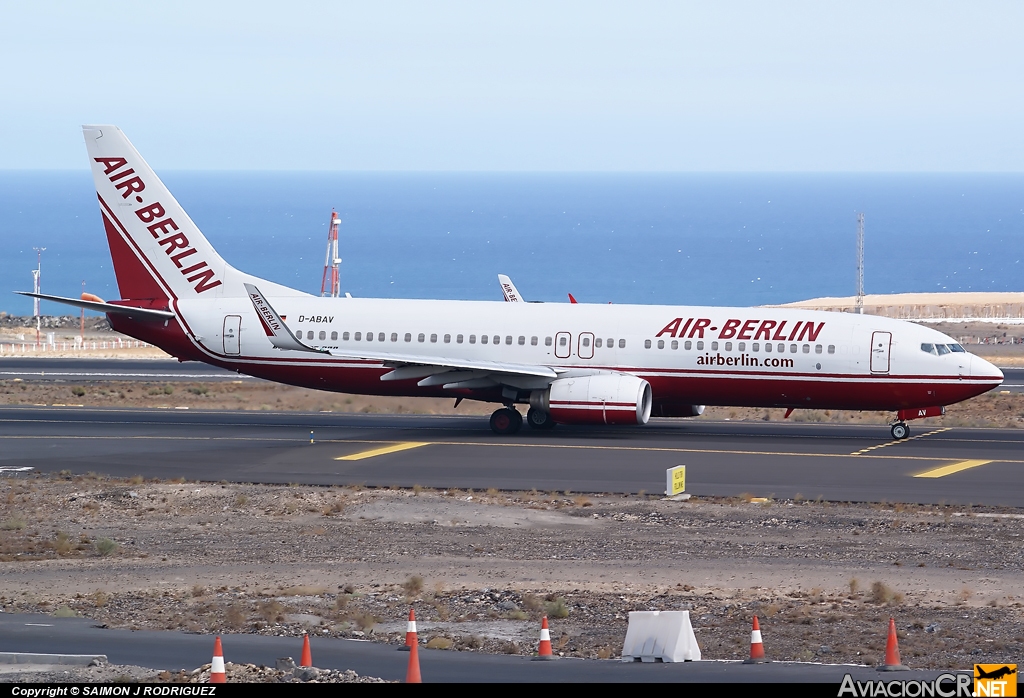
(606, 398)
(668, 408)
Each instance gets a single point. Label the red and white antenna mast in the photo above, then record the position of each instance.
(330, 285)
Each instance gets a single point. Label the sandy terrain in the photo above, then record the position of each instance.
(482, 567)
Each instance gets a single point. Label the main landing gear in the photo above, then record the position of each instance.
(900, 430)
(539, 419)
(507, 420)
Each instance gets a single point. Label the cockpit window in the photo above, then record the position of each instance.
(929, 349)
(943, 349)
(957, 348)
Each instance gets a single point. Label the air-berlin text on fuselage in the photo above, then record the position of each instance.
(175, 244)
(769, 330)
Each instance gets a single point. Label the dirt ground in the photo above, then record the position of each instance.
(481, 568)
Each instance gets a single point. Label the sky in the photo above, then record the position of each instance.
(728, 86)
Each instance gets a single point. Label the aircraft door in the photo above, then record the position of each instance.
(880, 344)
(585, 350)
(563, 345)
(232, 334)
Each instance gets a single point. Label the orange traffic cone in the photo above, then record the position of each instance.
(544, 648)
(756, 646)
(307, 657)
(217, 674)
(892, 651)
(410, 632)
(412, 673)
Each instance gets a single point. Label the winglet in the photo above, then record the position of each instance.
(571, 299)
(277, 332)
(509, 290)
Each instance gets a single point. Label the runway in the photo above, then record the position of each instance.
(765, 459)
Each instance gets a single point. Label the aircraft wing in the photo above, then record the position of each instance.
(433, 370)
(145, 313)
(509, 290)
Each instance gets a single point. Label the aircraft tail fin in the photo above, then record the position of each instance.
(158, 252)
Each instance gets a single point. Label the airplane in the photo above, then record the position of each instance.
(577, 363)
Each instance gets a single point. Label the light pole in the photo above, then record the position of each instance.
(36, 273)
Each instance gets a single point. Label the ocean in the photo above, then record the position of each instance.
(722, 239)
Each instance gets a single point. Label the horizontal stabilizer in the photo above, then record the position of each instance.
(100, 307)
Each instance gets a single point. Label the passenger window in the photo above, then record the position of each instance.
(700, 346)
(728, 346)
(675, 343)
(522, 341)
(380, 337)
(688, 345)
(742, 346)
(533, 341)
(647, 344)
(597, 343)
(497, 339)
(369, 336)
(433, 338)
(807, 348)
(562, 341)
(547, 341)
(661, 343)
(422, 337)
(817, 348)
(358, 336)
(782, 348)
(586, 341)
(344, 336)
(483, 339)
(943, 349)
(611, 343)
(792, 348)
(508, 339)
(458, 339)
(472, 339)
(831, 348)
(755, 347)
(767, 346)
(622, 344)
(323, 335)
(334, 336)
(714, 346)
(408, 337)
(394, 337)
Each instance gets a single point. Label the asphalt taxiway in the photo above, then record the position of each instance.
(766, 459)
(168, 650)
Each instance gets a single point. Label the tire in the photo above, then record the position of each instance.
(506, 421)
(539, 419)
(900, 431)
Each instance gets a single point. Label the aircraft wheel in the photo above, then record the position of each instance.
(506, 421)
(539, 419)
(900, 430)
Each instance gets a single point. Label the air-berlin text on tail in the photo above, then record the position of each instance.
(771, 330)
(165, 230)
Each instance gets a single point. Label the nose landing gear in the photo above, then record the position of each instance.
(900, 430)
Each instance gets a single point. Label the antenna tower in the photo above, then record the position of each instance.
(36, 279)
(330, 285)
(860, 264)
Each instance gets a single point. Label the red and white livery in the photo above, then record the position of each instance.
(571, 363)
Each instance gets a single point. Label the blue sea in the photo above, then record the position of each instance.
(723, 239)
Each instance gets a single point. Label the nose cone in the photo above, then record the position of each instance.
(983, 369)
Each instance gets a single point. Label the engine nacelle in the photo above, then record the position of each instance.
(663, 408)
(607, 398)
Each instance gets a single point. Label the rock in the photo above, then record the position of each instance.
(306, 673)
(284, 664)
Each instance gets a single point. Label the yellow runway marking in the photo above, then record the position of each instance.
(393, 448)
(899, 441)
(950, 469)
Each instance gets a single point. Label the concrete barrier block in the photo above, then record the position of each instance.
(660, 636)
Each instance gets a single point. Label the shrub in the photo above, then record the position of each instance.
(78, 391)
(105, 547)
(413, 586)
(557, 608)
